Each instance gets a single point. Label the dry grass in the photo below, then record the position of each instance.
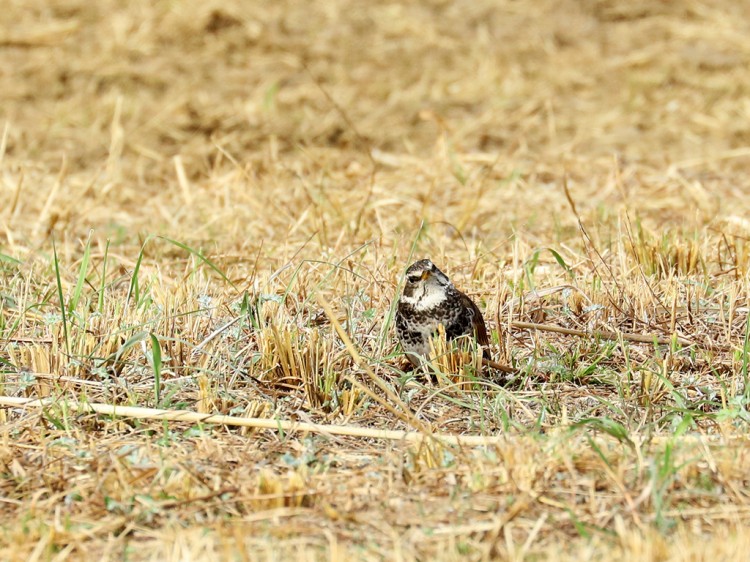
(185, 185)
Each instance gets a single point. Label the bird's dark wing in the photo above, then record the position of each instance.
(477, 323)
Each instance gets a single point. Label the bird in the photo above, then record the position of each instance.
(428, 300)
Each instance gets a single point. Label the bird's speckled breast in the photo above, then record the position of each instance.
(416, 326)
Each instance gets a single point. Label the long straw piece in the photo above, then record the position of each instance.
(260, 423)
(615, 336)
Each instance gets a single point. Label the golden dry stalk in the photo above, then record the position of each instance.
(459, 361)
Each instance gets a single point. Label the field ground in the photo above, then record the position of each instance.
(186, 186)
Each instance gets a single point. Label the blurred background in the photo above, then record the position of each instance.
(239, 121)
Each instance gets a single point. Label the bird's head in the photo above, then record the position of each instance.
(425, 286)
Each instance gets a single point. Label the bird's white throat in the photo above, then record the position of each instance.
(425, 301)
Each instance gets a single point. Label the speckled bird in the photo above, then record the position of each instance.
(428, 300)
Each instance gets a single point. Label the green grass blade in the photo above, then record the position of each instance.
(134, 288)
(201, 257)
(128, 344)
(6, 363)
(60, 296)
(561, 262)
(156, 365)
(9, 259)
(608, 426)
(73, 303)
(100, 303)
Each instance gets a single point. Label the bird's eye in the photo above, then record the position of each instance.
(414, 277)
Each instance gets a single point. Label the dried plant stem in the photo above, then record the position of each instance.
(499, 366)
(405, 413)
(17, 339)
(604, 334)
(260, 423)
